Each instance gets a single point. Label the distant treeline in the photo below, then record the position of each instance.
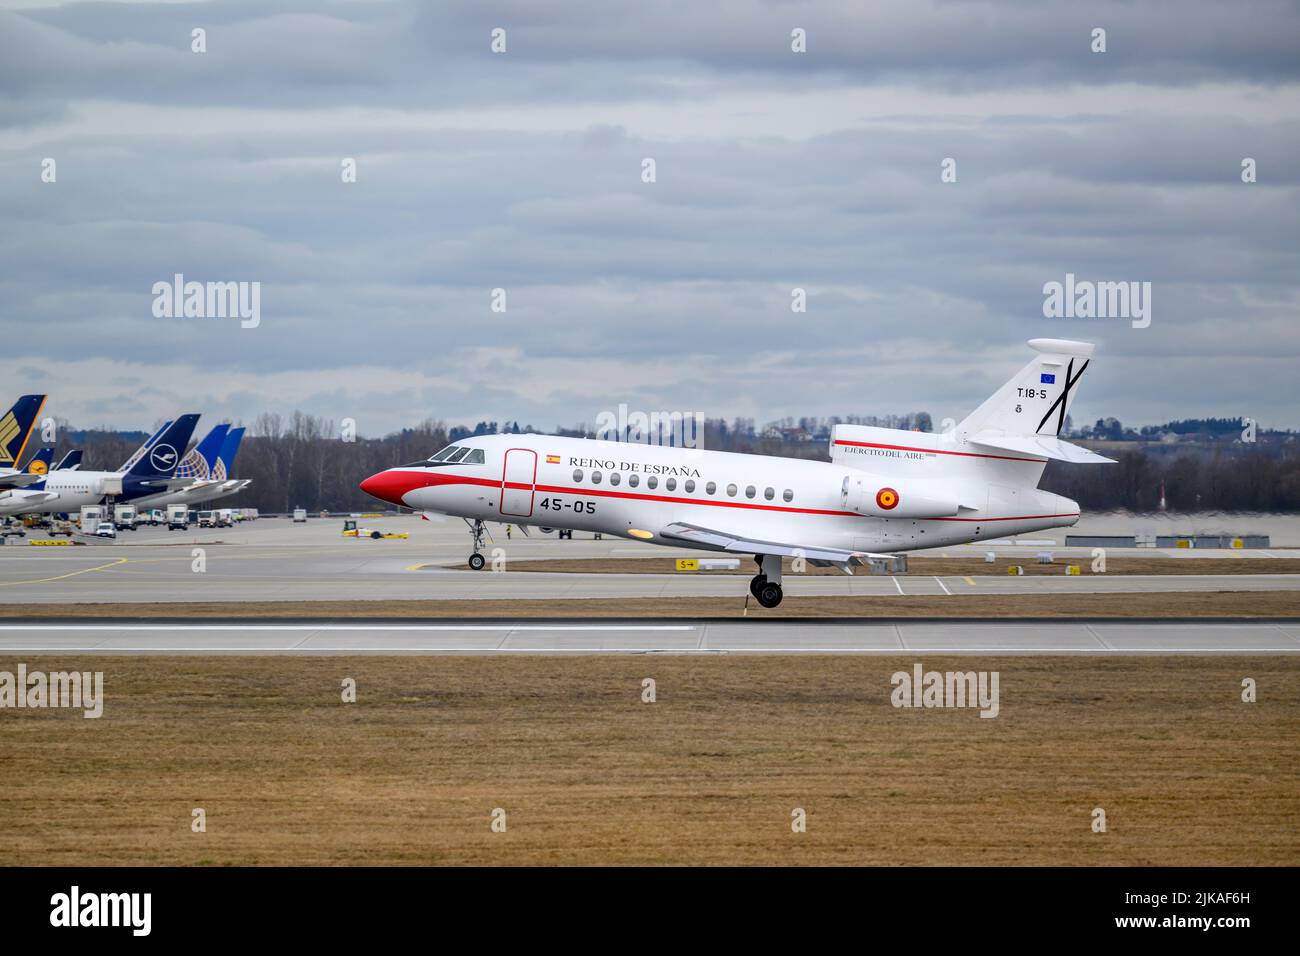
(302, 461)
(1243, 477)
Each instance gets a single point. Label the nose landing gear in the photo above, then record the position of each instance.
(477, 531)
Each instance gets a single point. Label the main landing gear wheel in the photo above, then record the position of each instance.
(768, 594)
(476, 561)
(757, 582)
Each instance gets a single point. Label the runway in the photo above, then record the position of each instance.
(885, 638)
(275, 560)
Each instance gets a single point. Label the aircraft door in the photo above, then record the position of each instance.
(518, 480)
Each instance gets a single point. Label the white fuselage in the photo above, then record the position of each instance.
(633, 490)
(64, 491)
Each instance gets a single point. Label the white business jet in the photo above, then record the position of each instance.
(883, 490)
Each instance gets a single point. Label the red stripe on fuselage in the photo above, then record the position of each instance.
(443, 478)
(936, 451)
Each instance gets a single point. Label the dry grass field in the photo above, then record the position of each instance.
(587, 773)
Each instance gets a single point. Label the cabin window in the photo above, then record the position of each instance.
(633, 480)
(769, 493)
(731, 491)
(457, 455)
(614, 478)
(652, 482)
(711, 487)
(788, 495)
(690, 486)
(577, 474)
(595, 477)
(750, 492)
(671, 484)
(475, 457)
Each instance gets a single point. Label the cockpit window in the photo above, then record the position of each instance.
(444, 453)
(475, 457)
(457, 455)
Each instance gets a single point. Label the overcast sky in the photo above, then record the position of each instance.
(522, 170)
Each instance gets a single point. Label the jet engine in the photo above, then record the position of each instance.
(883, 497)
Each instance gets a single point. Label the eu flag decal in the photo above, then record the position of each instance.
(1047, 378)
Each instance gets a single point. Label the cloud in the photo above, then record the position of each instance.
(523, 172)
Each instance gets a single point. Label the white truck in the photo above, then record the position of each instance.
(207, 519)
(300, 514)
(178, 517)
(124, 517)
(225, 518)
(91, 516)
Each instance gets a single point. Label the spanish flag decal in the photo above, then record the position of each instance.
(552, 459)
(886, 498)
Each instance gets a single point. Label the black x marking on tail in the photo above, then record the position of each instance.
(1070, 380)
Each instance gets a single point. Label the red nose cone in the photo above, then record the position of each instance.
(391, 485)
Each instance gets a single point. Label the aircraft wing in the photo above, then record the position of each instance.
(26, 497)
(20, 479)
(723, 541)
(177, 484)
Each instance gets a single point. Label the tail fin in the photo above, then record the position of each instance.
(1028, 412)
(160, 456)
(40, 463)
(16, 427)
(226, 459)
(139, 452)
(201, 459)
(71, 461)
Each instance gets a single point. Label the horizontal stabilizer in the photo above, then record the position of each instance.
(1046, 446)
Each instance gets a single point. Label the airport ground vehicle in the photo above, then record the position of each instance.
(207, 519)
(91, 515)
(300, 514)
(60, 528)
(884, 490)
(125, 517)
(350, 530)
(14, 529)
(178, 518)
(105, 529)
(223, 518)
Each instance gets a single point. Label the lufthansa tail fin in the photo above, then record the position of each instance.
(16, 427)
(71, 461)
(140, 452)
(161, 455)
(40, 463)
